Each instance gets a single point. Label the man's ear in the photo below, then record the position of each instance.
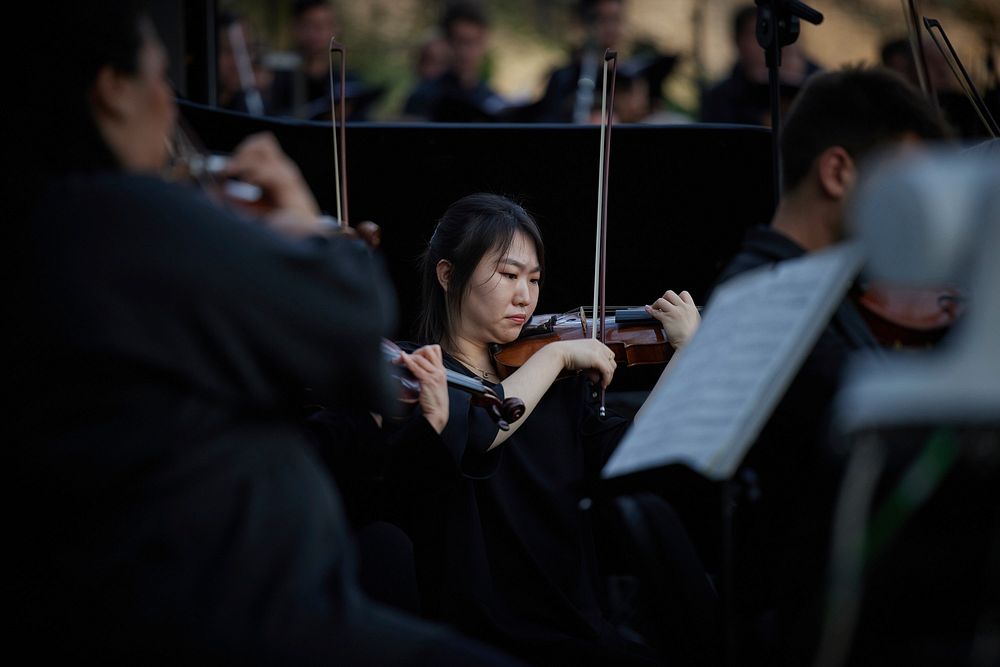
(836, 172)
(110, 94)
(443, 274)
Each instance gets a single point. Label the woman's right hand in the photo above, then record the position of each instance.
(589, 355)
(427, 366)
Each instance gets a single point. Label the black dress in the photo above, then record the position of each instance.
(167, 508)
(503, 549)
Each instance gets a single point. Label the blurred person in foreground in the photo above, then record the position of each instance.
(840, 119)
(167, 508)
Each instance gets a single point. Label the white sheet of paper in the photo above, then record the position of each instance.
(758, 329)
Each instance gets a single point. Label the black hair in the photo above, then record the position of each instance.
(741, 16)
(470, 12)
(300, 7)
(57, 133)
(895, 48)
(587, 9)
(471, 228)
(858, 109)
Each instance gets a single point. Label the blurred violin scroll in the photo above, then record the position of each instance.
(909, 317)
(502, 412)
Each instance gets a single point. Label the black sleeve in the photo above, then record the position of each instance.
(176, 285)
(468, 435)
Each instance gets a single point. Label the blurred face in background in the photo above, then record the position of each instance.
(469, 42)
(609, 23)
(433, 58)
(749, 54)
(312, 31)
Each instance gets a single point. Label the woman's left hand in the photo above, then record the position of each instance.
(679, 316)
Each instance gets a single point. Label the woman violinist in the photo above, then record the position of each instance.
(503, 550)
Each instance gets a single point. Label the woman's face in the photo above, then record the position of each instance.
(501, 295)
(156, 112)
(135, 111)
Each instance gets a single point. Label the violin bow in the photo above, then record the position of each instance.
(339, 148)
(600, 251)
(964, 80)
(917, 48)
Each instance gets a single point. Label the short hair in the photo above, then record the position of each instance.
(469, 230)
(895, 48)
(468, 11)
(300, 7)
(587, 9)
(858, 109)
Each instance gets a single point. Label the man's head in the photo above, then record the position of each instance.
(466, 28)
(606, 20)
(313, 24)
(748, 52)
(840, 117)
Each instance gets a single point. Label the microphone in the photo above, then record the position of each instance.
(793, 8)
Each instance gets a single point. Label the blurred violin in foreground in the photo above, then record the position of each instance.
(908, 316)
(503, 412)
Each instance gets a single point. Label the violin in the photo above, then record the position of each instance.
(189, 161)
(908, 316)
(502, 412)
(635, 337)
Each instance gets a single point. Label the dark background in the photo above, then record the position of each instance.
(680, 197)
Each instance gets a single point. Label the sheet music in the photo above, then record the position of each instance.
(758, 329)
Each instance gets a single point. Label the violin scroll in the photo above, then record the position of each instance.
(502, 412)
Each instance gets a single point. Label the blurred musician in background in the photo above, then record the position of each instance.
(304, 90)
(243, 82)
(462, 93)
(743, 96)
(570, 93)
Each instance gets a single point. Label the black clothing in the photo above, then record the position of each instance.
(293, 93)
(169, 510)
(559, 98)
(444, 100)
(737, 99)
(503, 550)
(781, 539)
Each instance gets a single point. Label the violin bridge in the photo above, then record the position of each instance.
(583, 321)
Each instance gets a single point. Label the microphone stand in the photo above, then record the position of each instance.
(778, 26)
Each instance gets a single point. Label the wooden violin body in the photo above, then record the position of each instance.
(909, 317)
(636, 338)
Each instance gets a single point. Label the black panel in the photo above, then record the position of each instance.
(680, 196)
